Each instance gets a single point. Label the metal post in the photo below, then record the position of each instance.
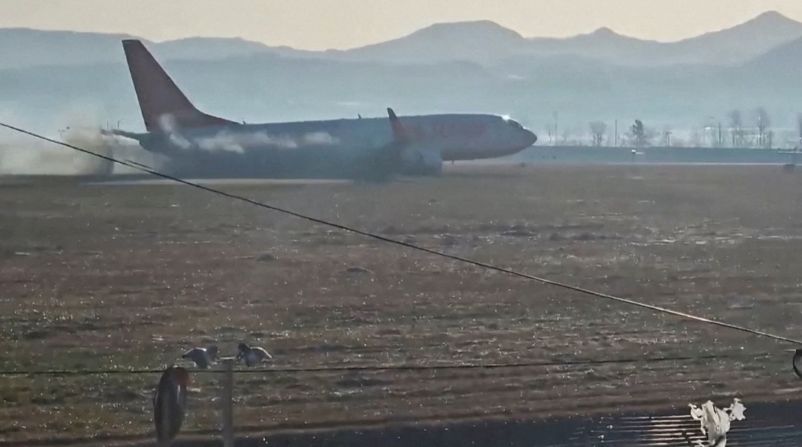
(227, 402)
(616, 133)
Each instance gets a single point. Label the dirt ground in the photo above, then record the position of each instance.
(122, 276)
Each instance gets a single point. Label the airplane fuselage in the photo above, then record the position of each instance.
(198, 144)
(324, 148)
(455, 136)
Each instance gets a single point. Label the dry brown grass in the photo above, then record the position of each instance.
(128, 277)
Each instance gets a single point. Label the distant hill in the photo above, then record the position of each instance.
(462, 67)
(785, 58)
(603, 44)
(730, 46)
(265, 87)
(214, 48)
(481, 42)
(778, 71)
(24, 47)
(487, 42)
(738, 44)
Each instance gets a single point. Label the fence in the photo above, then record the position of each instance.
(326, 399)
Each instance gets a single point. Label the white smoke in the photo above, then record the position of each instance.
(234, 140)
(240, 141)
(24, 155)
(90, 139)
(170, 128)
(321, 138)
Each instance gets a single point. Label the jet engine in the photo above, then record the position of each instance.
(421, 161)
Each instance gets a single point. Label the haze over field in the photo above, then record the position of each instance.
(476, 66)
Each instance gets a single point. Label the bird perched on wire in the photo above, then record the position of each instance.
(169, 404)
(203, 357)
(252, 355)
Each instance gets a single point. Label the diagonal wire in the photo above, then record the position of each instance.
(389, 240)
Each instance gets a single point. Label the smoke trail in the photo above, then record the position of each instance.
(168, 125)
(90, 139)
(320, 138)
(240, 141)
(21, 156)
(234, 140)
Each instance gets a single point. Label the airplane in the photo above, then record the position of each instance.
(196, 144)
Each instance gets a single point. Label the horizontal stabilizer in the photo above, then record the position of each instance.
(123, 133)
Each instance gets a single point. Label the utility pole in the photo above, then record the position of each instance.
(616, 133)
(227, 402)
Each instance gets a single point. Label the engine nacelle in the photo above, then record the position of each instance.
(415, 161)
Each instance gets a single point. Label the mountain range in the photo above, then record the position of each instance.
(481, 42)
(46, 76)
(486, 43)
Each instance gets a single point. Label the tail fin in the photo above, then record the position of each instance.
(159, 97)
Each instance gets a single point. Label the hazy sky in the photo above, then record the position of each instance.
(317, 24)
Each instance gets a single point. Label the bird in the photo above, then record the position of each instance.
(169, 404)
(203, 357)
(252, 355)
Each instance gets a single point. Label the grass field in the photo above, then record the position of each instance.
(114, 276)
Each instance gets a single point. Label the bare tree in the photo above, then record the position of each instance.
(798, 142)
(639, 134)
(678, 141)
(736, 128)
(695, 138)
(597, 130)
(566, 136)
(666, 137)
(763, 122)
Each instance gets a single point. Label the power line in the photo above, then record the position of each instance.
(392, 367)
(484, 265)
